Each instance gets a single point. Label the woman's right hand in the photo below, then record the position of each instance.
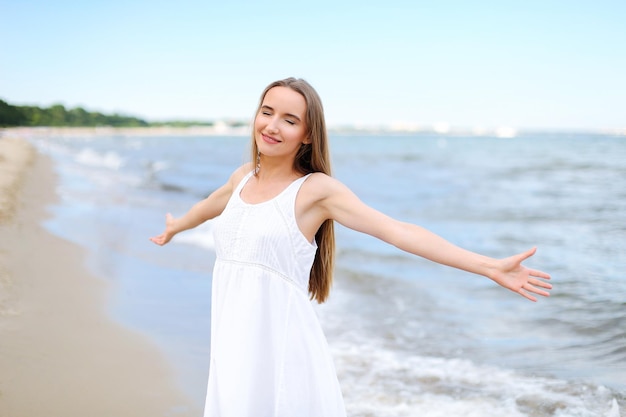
(169, 232)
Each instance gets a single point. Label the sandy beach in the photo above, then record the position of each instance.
(60, 355)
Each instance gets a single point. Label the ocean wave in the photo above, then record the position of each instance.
(379, 382)
(201, 236)
(108, 159)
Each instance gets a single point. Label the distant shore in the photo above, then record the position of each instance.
(60, 355)
(218, 129)
(223, 129)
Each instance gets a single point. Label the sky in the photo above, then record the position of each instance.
(549, 64)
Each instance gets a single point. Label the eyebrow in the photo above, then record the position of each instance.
(265, 106)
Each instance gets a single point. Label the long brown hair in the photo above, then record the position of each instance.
(312, 157)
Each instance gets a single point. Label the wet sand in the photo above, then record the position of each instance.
(60, 355)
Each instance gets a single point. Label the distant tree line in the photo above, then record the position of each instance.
(58, 115)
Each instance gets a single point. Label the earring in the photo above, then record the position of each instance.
(258, 163)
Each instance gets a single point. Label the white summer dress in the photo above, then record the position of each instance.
(269, 356)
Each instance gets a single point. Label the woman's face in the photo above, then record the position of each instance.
(279, 126)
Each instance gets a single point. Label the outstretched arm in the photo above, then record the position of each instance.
(508, 272)
(204, 210)
(341, 204)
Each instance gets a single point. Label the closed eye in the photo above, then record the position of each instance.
(266, 110)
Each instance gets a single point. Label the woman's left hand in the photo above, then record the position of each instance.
(511, 274)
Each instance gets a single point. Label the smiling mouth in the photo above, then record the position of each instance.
(269, 139)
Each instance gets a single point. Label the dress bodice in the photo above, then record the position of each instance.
(266, 235)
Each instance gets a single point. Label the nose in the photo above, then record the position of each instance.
(272, 125)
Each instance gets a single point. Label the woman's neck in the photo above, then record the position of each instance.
(271, 171)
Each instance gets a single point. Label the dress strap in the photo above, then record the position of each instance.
(288, 196)
(243, 182)
(295, 186)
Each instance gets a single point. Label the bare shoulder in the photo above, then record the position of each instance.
(329, 198)
(317, 182)
(322, 186)
(239, 173)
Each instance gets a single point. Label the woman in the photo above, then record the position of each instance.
(275, 248)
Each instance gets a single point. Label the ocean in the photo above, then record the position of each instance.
(409, 337)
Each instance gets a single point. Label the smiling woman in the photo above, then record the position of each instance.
(274, 243)
(279, 128)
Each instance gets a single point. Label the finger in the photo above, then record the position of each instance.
(526, 295)
(539, 274)
(525, 255)
(539, 292)
(533, 289)
(540, 283)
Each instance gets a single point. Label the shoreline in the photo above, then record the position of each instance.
(60, 354)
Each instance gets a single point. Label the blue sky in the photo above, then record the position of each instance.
(522, 64)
